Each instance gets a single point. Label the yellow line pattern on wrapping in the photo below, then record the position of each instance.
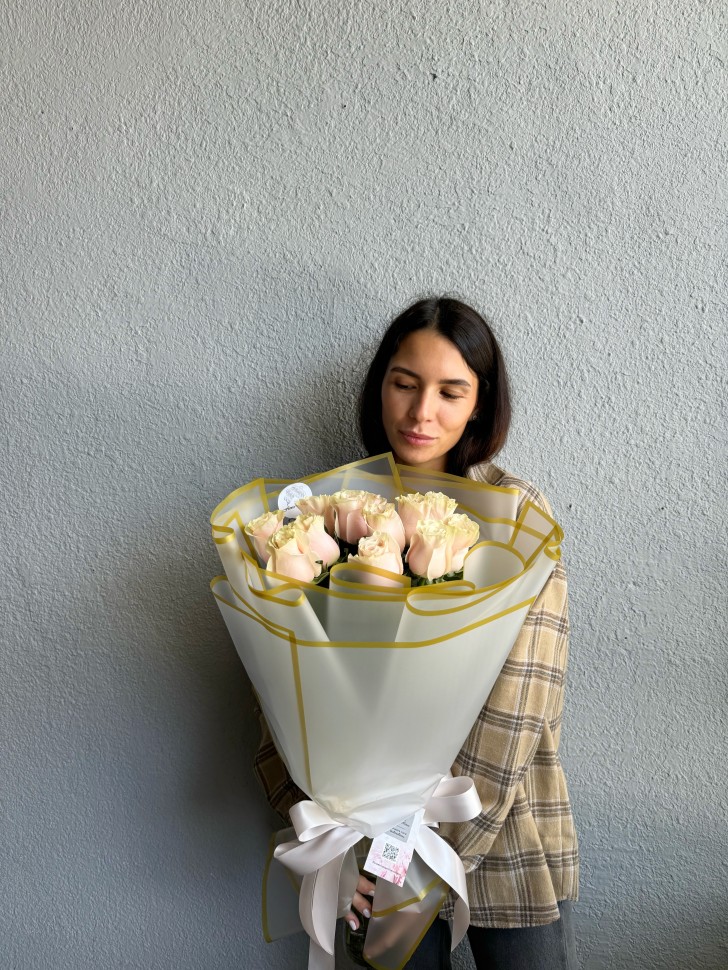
(498, 545)
(301, 711)
(256, 483)
(408, 902)
(379, 966)
(349, 644)
(278, 629)
(250, 611)
(403, 583)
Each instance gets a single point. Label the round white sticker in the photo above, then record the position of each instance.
(288, 497)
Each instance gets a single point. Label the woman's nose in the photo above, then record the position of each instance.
(421, 406)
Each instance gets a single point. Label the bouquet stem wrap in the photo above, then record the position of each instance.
(321, 856)
(410, 668)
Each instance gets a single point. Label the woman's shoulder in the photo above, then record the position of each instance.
(493, 474)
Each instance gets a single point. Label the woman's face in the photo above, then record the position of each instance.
(428, 396)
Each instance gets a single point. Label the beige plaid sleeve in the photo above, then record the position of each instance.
(525, 704)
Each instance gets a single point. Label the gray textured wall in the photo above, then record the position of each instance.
(209, 211)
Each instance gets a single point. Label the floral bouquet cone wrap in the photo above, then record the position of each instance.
(408, 668)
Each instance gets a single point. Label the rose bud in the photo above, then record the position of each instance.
(319, 505)
(381, 550)
(261, 529)
(439, 505)
(323, 547)
(429, 552)
(290, 555)
(381, 517)
(464, 534)
(411, 508)
(348, 504)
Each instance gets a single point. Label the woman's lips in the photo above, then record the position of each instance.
(416, 439)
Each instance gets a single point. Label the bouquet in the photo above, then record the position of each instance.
(355, 617)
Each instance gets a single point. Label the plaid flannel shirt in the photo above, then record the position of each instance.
(520, 854)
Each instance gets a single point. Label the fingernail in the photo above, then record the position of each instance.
(352, 924)
(367, 913)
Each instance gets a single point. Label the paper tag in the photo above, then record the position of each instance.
(391, 852)
(288, 497)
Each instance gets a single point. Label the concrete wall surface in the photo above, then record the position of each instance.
(210, 210)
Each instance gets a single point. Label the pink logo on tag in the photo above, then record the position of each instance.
(390, 862)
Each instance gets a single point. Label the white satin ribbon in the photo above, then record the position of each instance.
(322, 855)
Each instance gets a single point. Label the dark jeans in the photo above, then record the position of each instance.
(550, 947)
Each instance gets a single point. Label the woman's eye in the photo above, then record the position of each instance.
(403, 387)
(451, 397)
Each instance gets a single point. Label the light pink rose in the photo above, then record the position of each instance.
(323, 546)
(429, 552)
(464, 534)
(291, 556)
(261, 529)
(432, 505)
(319, 505)
(381, 517)
(377, 503)
(348, 505)
(381, 550)
(439, 505)
(411, 507)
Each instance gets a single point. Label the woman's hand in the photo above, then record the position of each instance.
(360, 903)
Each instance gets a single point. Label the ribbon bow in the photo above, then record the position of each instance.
(322, 857)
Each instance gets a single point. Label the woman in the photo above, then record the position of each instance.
(436, 395)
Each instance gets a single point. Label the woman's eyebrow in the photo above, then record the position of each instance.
(410, 373)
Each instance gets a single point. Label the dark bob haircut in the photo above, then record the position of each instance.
(485, 435)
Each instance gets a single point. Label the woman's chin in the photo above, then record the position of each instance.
(420, 457)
